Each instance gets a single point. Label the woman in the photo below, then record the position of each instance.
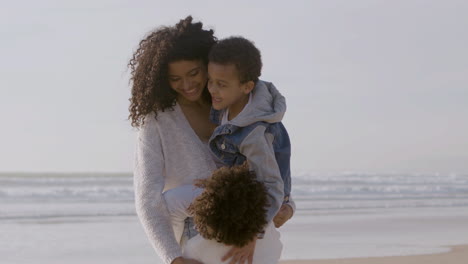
(170, 105)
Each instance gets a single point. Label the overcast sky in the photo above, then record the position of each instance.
(371, 86)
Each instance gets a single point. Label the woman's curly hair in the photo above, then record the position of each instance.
(232, 207)
(151, 91)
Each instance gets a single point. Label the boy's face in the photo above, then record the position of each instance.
(225, 87)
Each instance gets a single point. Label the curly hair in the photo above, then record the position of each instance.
(242, 53)
(232, 207)
(151, 91)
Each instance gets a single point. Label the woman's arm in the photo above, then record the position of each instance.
(149, 183)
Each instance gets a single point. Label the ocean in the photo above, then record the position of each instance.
(91, 217)
(69, 195)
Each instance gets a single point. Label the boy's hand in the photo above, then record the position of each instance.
(283, 215)
(241, 255)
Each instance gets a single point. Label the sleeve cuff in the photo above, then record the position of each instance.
(170, 258)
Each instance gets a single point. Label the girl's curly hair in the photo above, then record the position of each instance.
(151, 91)
(232, 207)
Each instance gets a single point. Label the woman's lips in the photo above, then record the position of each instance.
(191, 92)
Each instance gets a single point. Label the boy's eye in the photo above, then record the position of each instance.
(194, 73)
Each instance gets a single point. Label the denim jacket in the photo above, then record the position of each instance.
(257, 136)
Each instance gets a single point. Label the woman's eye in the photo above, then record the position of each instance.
(194, 73)
(173, 79)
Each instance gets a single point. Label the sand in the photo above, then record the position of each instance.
(457, 255)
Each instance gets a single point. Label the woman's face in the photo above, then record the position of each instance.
(188, 79)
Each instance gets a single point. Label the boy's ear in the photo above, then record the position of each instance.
(248, 87)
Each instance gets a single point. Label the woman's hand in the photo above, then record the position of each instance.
(181, 260)
(241, 255)
(283, 215)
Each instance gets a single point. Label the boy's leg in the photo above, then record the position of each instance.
(178, 200)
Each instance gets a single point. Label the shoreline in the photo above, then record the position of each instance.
(457, 255)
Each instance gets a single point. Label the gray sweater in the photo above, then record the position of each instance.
(168, 154)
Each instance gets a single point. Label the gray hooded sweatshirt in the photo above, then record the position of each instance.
(256, 135)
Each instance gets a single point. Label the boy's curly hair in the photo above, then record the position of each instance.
(240, 52)
(232, 208)
(151, 91)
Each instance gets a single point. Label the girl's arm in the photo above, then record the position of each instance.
(177, 202)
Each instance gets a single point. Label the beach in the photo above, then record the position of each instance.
(339, 219)
(403, 236)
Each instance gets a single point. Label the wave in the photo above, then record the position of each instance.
(310, 191)
(346, 183)
(66, 187)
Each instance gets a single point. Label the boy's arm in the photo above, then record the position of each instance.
(257, 147)
(285, 213)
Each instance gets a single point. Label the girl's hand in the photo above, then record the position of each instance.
(283, 215)
(181, 260)
(241, 255)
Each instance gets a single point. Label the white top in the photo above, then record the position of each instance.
(168, 154)
(267, 250)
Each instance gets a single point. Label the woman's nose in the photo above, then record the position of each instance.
(187, 84)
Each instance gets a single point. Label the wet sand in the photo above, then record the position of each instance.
(457, 255)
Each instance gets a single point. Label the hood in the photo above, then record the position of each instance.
(267, 105)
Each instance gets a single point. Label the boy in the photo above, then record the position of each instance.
(231, 210)
(248, 113)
